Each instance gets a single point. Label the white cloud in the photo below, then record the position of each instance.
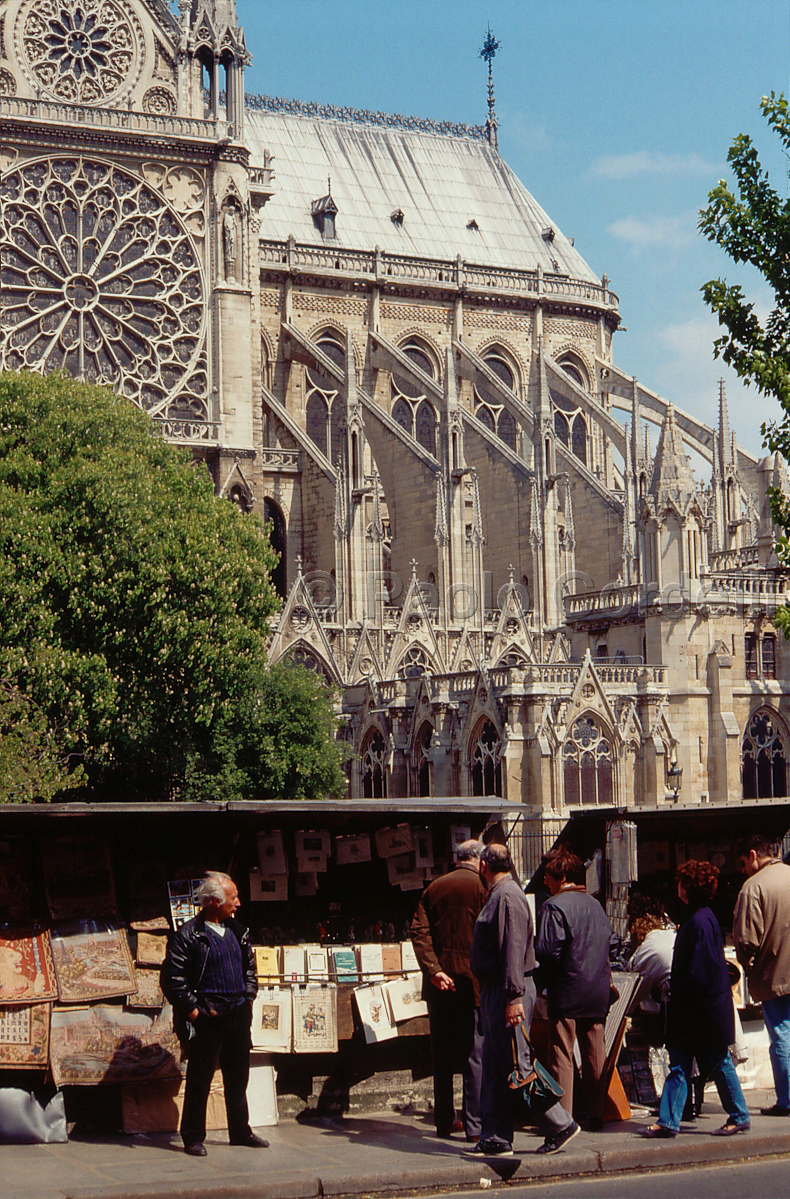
(667, 232)
(648, 162)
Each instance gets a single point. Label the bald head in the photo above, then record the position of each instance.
(469, 851)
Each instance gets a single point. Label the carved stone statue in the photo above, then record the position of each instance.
(230, 242)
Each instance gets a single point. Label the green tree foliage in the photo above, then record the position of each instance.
(32, 765)
(136, 607)
(752, 224)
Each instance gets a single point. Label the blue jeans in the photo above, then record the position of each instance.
(776, 1013)
(710, 1065)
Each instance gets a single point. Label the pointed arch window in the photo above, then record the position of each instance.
(324, 409)
(764, 759)
(489, 408)
(485, 761)
(414, 663)
(570, 424)
(374, 771)
(424, 765)
(273, 514)
(587, 765)
(302, 655)
(411, 408)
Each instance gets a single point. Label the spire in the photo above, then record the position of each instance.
(490, 47)
(628, 555)
(725, 439)
(535, 523)
(441, 533)
(672, 476)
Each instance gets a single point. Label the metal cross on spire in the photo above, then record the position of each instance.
(488, 53)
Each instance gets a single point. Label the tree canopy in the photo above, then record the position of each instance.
(136, 609)
(752, 224)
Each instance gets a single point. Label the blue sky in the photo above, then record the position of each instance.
(616, 114)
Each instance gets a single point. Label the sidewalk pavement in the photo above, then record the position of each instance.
(359, 1156)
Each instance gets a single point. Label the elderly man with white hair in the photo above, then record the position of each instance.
(209, 976)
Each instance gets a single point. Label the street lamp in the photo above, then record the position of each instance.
(674, 779)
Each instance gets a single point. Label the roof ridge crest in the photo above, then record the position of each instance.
(365, 116)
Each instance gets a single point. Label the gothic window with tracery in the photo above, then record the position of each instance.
(302, 656)
(374, 770)
(514, 658)
(414, 663)
(486, 761)
(587, 765)
(411, 408)
(570, 425)
(324, 410)
(100, 278)
(489, 408)
(764, 759)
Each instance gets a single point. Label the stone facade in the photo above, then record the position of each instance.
(372, 334)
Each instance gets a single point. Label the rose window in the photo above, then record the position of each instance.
(101, 279)
(80, 51)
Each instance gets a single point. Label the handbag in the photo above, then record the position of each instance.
(538, 1090)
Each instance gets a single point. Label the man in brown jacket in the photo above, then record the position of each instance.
(442, 931)
(761, 932)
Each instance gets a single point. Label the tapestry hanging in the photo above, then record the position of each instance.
(109, 1044)
(92, 961)
(27, 972)
(149, 993)
(24, 1036)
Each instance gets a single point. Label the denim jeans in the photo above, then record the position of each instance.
(776, 1013)
(676, 1087)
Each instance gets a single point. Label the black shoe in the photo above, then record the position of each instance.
(554, 1143)
(253, 1141)
(196, 1149)
(490, 1148)
(776, 1110)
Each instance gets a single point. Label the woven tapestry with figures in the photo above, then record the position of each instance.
(92, 961)
(27, 972)
(24, 1036)
(107, 1043)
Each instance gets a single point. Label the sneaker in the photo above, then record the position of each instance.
(730, 1129)
(490, 1148)
(560, 1139)
(776, 1110)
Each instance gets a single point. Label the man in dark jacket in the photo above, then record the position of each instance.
(572, 946)
(210, 978)
(503, 962)
(442, 931)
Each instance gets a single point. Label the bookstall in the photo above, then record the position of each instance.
(88, 895)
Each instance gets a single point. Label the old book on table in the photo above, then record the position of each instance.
(317, 960)
(408, 957)
(390, 958)
(371, 963)
(267, 964)
(344, 964)
(293, 963)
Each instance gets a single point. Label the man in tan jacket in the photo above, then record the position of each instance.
(761, 932)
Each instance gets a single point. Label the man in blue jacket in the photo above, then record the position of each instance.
(210, 978)
(503, 962)
(572, 947)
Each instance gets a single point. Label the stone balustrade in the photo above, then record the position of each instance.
(77, 115)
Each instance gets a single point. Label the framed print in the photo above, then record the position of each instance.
(271, 1019)
(315, 1019)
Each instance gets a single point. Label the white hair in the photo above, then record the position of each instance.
(212, 887)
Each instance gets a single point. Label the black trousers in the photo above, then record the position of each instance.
(223, 1041)
(456, 1048)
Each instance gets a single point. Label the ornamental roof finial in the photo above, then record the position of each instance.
(490, 47)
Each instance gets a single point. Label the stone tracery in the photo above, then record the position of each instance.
(100, 278)
(85, 52)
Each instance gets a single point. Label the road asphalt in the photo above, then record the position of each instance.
(362, 1155)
